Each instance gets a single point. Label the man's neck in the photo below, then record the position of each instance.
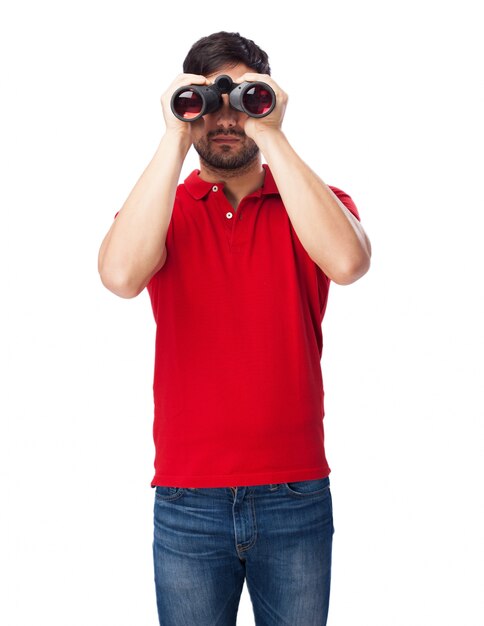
(237, 183)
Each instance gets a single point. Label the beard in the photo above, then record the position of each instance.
(224, 157)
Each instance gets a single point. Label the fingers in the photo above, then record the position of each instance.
(253, 76)
(183, 80)
(191, 79)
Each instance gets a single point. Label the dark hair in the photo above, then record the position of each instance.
(210, 53)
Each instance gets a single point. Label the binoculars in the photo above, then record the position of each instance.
(190, 103)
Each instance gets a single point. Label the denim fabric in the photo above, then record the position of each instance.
(207, 541)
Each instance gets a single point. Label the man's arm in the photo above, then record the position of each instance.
(331, 235)
(329, 232)
(134, 248)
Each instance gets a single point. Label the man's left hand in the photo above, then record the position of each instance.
(254, 126)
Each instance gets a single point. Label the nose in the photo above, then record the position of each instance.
(226, 116)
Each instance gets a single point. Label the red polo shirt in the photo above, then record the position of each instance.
(238, 305)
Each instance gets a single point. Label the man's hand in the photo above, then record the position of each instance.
(254, 126)
(171, 121)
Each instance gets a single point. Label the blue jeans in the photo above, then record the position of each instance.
(208, 540)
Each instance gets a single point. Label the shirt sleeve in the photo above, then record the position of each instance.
(346, 200)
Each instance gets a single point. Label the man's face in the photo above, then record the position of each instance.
(219, 137)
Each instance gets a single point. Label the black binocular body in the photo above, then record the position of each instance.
(256, 99)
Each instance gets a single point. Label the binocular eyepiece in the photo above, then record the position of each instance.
(256, 99)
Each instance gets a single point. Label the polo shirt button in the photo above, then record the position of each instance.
(215, 188)
(229, 215)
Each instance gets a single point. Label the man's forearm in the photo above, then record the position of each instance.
(330, 234)
(135, 243)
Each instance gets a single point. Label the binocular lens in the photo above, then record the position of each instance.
(188, 104)
(257, 100)
(193, 101)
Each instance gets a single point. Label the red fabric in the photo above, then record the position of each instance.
(238, 304)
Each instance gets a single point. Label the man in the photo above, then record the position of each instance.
(237, 261)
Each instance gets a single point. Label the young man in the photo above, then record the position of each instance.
(237, 262)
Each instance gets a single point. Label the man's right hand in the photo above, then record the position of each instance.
(171, 121)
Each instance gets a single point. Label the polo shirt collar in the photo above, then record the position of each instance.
(199, 188)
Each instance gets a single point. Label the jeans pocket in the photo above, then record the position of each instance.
(315, 486)
(163, 492)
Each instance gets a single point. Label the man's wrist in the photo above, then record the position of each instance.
(269, 138)
(179, 138)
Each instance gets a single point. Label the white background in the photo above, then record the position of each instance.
(396, 122)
